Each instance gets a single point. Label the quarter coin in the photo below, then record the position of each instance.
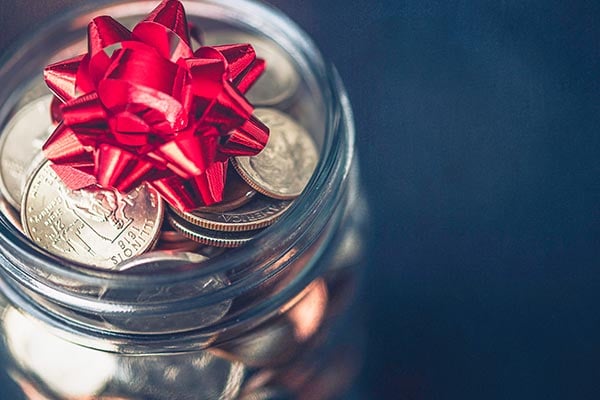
(167, 263)
(259, 213)
(284, 167)
(90, 226)
(197, 375)
(22, 139)
(210, 237)
(280, 80)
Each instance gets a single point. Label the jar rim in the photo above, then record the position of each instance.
(312, 207)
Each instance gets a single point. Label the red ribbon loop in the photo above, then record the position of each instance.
(141, 106)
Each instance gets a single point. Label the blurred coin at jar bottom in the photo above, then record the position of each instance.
(278, 340)
(282, 272)
(66, 369)
(190, 376)
(167, 262)
(266, 393)
(258, 213)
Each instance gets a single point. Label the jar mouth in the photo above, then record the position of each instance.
(308, 215)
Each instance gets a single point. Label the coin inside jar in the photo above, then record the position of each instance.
(50, 358)
(199, 375)
(210, 237)
(22, 140)
(259, 213)
(284, 167)
(280, 81)
(167, 263)
(90, 226)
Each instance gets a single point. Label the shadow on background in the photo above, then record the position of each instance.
(478, 126)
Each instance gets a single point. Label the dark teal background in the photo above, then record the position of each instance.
(478, 124)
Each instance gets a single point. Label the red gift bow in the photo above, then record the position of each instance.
(141, 106)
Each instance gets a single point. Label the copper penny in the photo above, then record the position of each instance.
(210, 237)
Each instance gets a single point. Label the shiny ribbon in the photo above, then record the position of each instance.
(141, 106)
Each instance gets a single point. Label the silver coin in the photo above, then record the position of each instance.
(259, 213)
(90, 226)
(22, 139)
(210, 237)
(287, 162)
(167, 263)
(279, 82)
(188, 376)
(272, 344)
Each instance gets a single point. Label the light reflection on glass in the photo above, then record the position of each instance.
(69, 370)
(308, 313)
(278, 340)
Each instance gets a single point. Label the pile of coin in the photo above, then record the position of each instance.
(103, 228)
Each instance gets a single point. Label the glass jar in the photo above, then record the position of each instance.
(274, 319)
